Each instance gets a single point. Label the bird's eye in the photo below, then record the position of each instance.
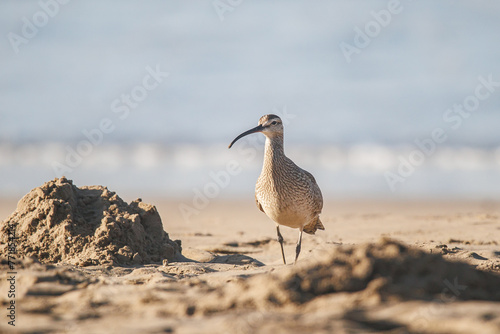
(274, 123)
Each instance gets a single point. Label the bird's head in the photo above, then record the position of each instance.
(270, 125)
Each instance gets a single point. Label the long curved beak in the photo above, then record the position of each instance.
(258, 128)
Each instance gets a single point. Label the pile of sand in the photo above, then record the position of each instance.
(59, 222)
(375, 272)
(390, 270)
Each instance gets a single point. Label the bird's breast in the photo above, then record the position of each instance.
(284, 200)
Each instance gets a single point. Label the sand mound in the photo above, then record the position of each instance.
(59, 222)
(388, 269)
(391, 269)
(383, 271)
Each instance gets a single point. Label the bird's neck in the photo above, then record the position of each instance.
(274, 150)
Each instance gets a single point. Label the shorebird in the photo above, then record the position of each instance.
(285, 192)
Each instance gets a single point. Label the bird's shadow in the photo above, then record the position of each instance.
(236, 259)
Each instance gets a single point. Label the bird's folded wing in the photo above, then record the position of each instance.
(316, 192)
(258, 204)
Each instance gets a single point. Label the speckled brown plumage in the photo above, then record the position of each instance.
(285, 192)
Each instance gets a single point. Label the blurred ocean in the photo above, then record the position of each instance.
(84, 92)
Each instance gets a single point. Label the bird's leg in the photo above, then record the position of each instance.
(280, 239)
(297, 249)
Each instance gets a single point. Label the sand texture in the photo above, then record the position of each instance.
(59, 222)
(377, 268)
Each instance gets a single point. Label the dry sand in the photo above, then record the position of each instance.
(380, 267)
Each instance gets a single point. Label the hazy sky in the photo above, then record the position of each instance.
(224, 74)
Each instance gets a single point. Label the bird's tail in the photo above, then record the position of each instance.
(313, 226)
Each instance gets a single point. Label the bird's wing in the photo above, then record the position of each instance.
(258, 204)
(316, 192)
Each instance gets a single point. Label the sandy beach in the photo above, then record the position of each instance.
(379, 267)
(126, 208)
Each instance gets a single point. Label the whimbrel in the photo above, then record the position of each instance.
(285, 192)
